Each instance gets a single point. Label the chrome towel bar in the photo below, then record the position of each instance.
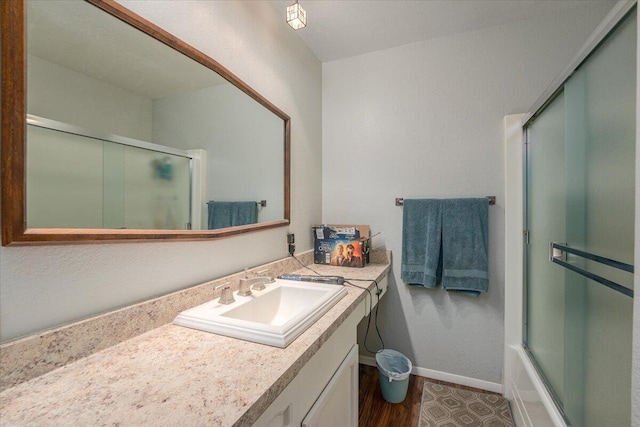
(492, 200)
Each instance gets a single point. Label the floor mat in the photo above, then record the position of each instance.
(444, 406)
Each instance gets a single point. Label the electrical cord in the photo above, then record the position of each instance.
(378, 292)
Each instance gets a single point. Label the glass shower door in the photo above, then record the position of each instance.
(78, 181)
(156, 190)
(145, 189)
(580, 195)
(546, 190)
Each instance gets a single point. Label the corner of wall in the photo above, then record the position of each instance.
(513, 191)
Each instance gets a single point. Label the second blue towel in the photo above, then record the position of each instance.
(465, 245)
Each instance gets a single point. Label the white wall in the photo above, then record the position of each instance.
(425, 120)
(84, 101)
(47, 286)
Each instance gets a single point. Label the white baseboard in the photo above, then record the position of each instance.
(445, 376)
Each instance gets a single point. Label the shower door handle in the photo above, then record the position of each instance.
(556, 252)
(557, 255)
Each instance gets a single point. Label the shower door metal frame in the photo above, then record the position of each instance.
(608, 25)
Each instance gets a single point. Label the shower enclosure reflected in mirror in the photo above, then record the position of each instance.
(127, 133)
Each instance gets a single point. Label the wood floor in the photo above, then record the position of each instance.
(374, 411)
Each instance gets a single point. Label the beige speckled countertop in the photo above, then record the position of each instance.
(172, 375)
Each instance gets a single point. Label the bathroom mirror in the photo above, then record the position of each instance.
(113, 129)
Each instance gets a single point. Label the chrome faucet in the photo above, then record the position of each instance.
(227, 294)
(258, 282)
(244, 287)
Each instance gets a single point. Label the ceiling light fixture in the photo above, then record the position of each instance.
(296, 16)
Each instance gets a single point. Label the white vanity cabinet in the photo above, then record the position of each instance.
(325, 392)
(338, 403)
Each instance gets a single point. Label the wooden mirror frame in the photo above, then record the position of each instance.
(14, 230)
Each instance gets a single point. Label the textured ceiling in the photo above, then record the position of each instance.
(66, 33)
(338, 29)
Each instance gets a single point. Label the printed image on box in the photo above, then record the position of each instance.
(339, 246)
(347, 253)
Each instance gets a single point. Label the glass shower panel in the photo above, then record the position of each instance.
(64, 180)
(546, 223)
(77, 181)
(600, 98)
(609, 110)
(156, 190)
(113, 185)
(580, 193)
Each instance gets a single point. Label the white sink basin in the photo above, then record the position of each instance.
(275, 316)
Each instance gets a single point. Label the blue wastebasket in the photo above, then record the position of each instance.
(394, 368)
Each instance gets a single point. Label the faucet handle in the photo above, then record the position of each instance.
(259, 286)
(223, 285)
(261, 282)
(227, 295)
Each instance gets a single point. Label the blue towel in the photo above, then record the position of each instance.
(465, 245)
(231, 214)
(243, 213)
(421, 238)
